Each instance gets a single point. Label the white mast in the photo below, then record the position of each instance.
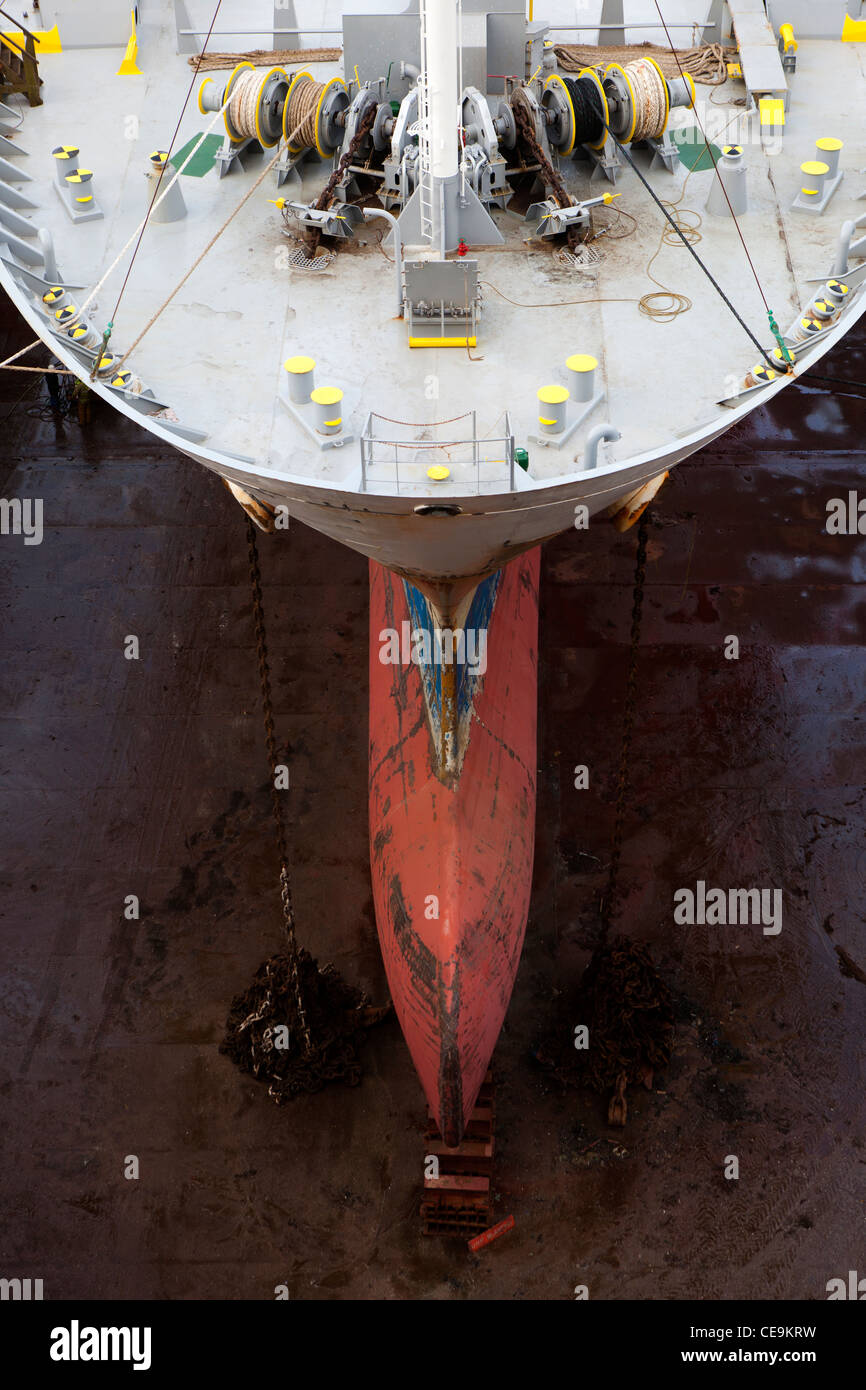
(440, 20)
(440, 210)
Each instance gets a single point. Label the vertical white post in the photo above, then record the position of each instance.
(442, 86)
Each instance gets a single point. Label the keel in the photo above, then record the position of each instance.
(452, 819)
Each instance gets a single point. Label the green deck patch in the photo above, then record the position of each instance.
(203, 160)
(693, 150)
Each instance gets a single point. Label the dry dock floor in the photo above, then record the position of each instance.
(147, 777)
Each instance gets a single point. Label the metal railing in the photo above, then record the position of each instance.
(469, 460)
(18, 24)
(29, 50)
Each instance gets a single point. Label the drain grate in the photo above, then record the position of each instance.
(299, 260)
(583, 258)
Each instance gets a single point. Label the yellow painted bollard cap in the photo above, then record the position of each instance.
(815, 166)
(553, 395)
(581, 362)
(327, 395)
(828, 142)
(299, 365)
(438, 473)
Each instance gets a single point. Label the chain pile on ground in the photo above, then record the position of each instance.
(629, 1012)
(630, 1016)
(264, 1033)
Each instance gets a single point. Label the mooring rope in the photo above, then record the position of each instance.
(783, 351)
(303, 103)
(179, 286)
(682, 233)
(267, 58)
(44, 371)
(142, 224)
(162, 169)
(243, 103)
(650, 100)
(589, 127)
(217, 234)
(706, 64)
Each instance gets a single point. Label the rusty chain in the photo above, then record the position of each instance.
(629, 710)
(313, 236)
(276, 802)
(326, 197)
(525, 126)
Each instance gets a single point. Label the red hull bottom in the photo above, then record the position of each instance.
(451, 851)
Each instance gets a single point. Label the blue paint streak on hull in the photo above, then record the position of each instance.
(477, 621)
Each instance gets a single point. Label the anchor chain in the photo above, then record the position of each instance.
(326, 197)
(313, 238)
(524, 123)
(629, 710)
(276, 801)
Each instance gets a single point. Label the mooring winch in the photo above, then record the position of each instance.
(444, 195)
(631, 101)
(305, 113)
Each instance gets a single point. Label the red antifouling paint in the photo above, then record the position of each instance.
(494, 1233)
(480, 822)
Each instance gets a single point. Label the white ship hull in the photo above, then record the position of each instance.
(488, 531)
(213, 350)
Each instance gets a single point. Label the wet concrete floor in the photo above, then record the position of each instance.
(147, 777)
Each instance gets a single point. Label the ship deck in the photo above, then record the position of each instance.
(215, 354)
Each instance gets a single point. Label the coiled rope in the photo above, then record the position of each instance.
(650, 100)
(664, 304)
(301, 107)
(589, 127)
(244, 103)
(267, 58)
(706, 64)
(302, 104)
